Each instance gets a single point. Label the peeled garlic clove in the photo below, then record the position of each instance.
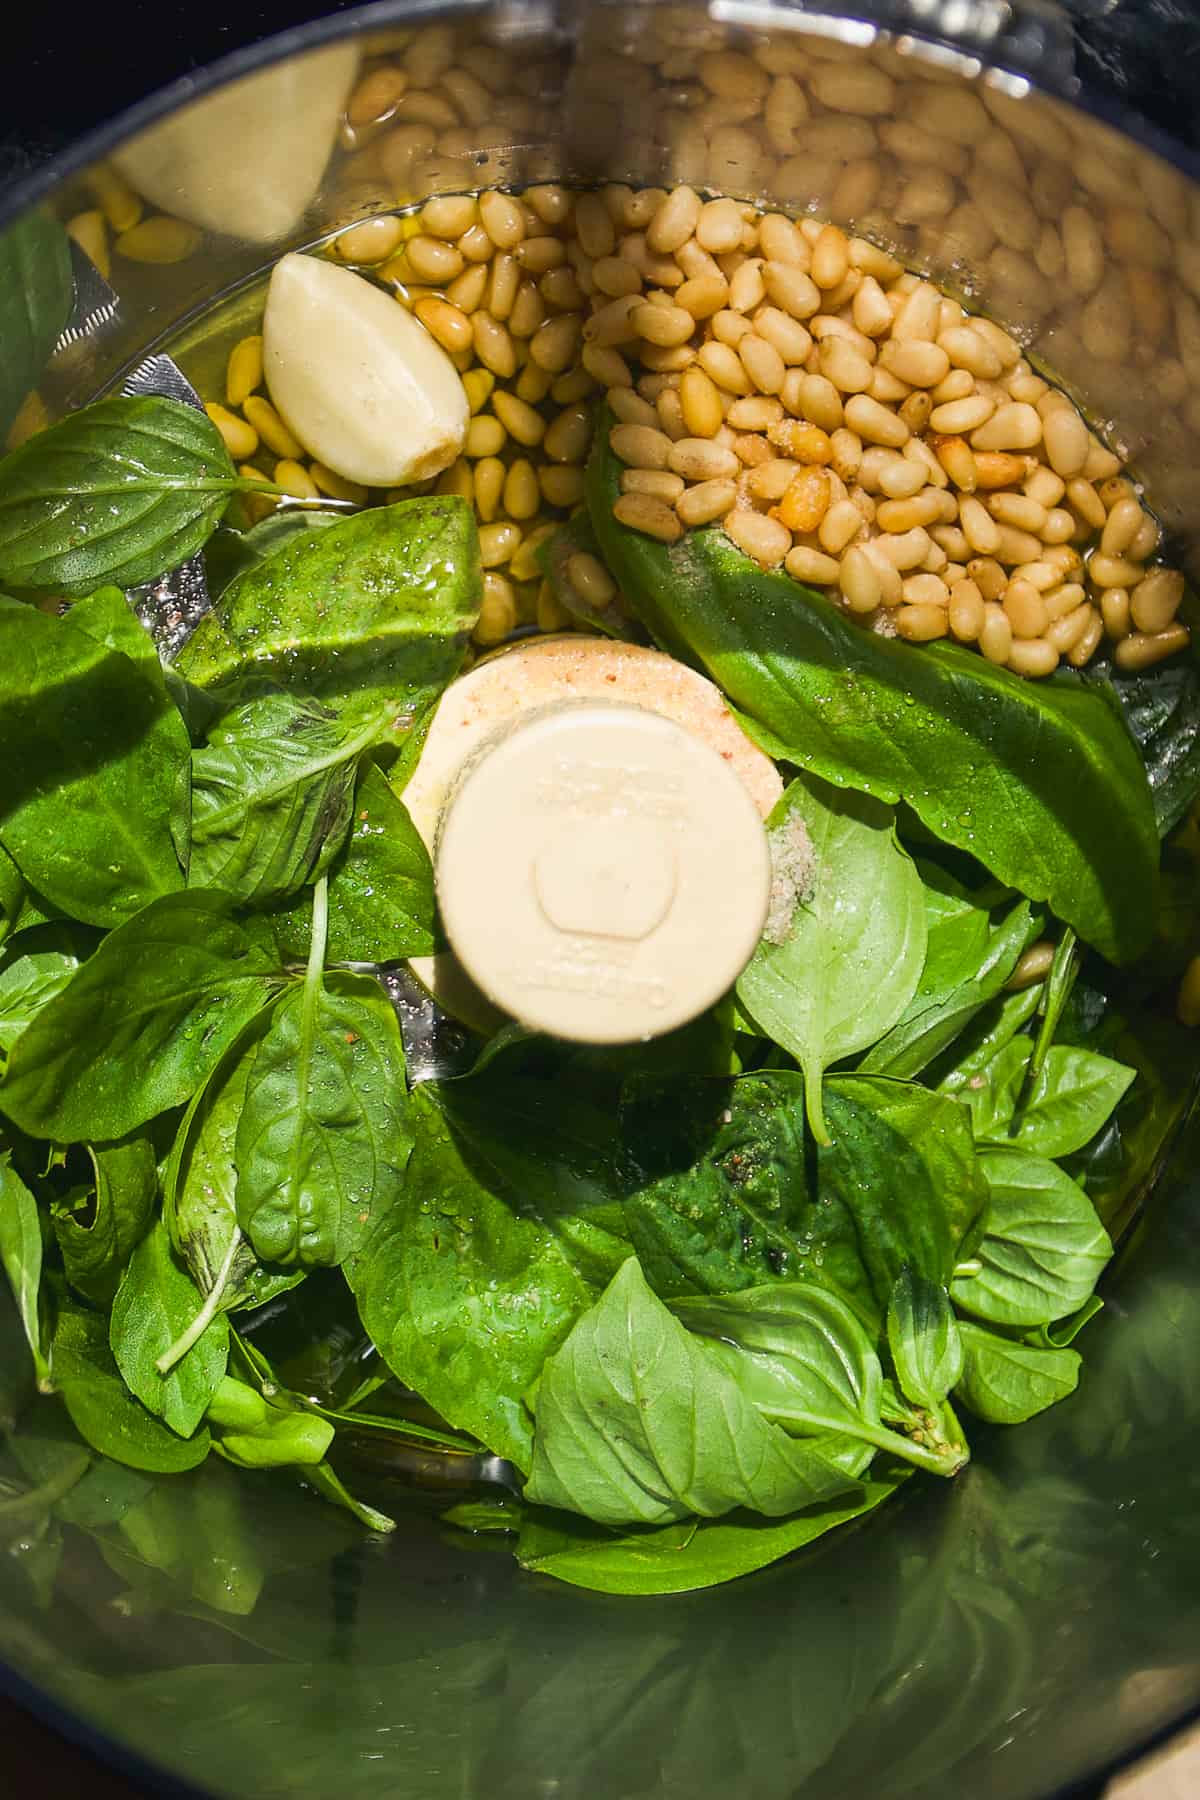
(359, 381)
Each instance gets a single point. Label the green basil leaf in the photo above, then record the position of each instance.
(678, 1559)
(1038, 780)
(229, 553)
(1006, 1382)
(102, 1408)
(21, 1257)
(1043, 1248)
(923, 1338)
(140, 1025)
(637, 1422)
(504, 1233)
(984, 1036)
(199, 1188)
(934, 1019)
(92, 752)
(554, 558)
(852, 957)
(97, 1239)
(116, 493)
(155, 1304)
(373, 614)
(47, 1442)
(1065, 1331)
(321, 1140)
(12, 895)
(37, 292)
(272, 793)
(797, 1352)
(1074, 1094)
(723, 1194)
(1161, 707)
(991, 1094)
(26, 985)
(381, 897)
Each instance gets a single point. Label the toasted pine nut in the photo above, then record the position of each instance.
(998, 468)
(806, 500)
(446, 323)
(901, 515)
(770, 480)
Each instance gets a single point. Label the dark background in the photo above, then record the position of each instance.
(66, 71)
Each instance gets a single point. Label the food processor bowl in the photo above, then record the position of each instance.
(1010, 1634)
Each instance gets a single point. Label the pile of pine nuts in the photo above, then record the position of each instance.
(839, 417)
(847, 421)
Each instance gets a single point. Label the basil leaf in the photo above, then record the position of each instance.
(102, 1408)
(923, 1338)
(381, 898)
(26, 985)
(139, 1025)
(723, 1194)
(321, 1140)
(199, 1187)
(12, 894)
(373, 614)
(990, 1094)
(91, 752)
(1038, 780)
(985, 1036)
(96, 1238)
(1070, 1099)
(271, 798)
(21, 1257)
(229, 553)
(852, 957)
(1161, 707)
(636, 1422)
(504, 1232)
(1043, 1248)
(155, 1304)
(1006, 1382)
(116, 493)
(37, 292)
(678, 1559)
(934, 1018)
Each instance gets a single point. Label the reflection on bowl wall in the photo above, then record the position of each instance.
(1002, 1637)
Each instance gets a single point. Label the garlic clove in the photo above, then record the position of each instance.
(361, 383)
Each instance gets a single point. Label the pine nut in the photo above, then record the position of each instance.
(446, 323)
(664, 326)
(1016, 546)
(1065, 632)
(762, 363)
(522, 421)
(1025, 609)
(568, 436)
(590, 579)
(295, 479)
(840, 526)
(1113, 571)
(1087, 503)
(921, 624)
(660, 484)
(478, 384)
(874, 423)
(1142, 650)
(707, 501)
(791, 289)
(239, 437)
(561, 484)
(724, 367)
(847, 453)
(503, 284)
(466, 291)
(802, 440)
(336, 487)
(699, 459)
(485, 436)
(493, 345)
(966, 611)
(791, 339)
(925, 589)
(1064, 598)
(1121, 527)
(1032, 657)
(757, 412)
(1015, 426)
(271, 428)
(433, 260)
(813, 566)
(729, 327)
(860, 582)
(959, 416)
(158, 240)
(916, 361)
(521, 495)
(902, 515)
(244, 370)
(489, 485)
(538, 255)
(815, 398)
(806, 499)
(905, 550)
(845, 367)
(551, 614)
(651, 517)
(1018, 510)
(995, 634)
(641, 446)
(497, 611)
(497, 544)
(998, 468)
(900, 479)
(502, 219)
(770, 480)
(1156, 599)
(760, 537)
(448, 215)
(979, 527)
(1116, 612)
